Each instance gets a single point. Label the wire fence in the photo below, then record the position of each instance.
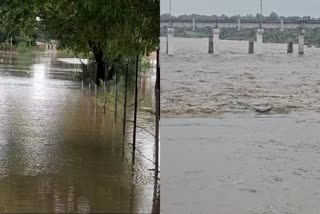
(104, 92)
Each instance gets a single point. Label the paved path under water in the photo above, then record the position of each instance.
(58, 152)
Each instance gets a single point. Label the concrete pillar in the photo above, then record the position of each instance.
(259, 41)
(281, 25)
(210, 49)
(251, 47)
(193, 24)
(170, 44)
(216, 32)
(239, 23)
(290, 47)
(301, 42)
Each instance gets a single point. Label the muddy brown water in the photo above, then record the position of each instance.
(241, 163)
(197, 83)
(58, 152)
(219, 156)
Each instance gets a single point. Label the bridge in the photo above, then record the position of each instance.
(238, 24)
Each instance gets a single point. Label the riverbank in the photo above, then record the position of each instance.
(234, 81)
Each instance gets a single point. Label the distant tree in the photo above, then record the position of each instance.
(235, 17)
(258, 16)
(214, 17)
(273, 16)
(165, 16)
(223, 16)
(293, 18)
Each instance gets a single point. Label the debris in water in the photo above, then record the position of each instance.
(262, 109)
(248, 190)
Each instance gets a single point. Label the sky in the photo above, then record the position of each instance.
(242, 7)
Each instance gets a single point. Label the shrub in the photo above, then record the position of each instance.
(24, 47)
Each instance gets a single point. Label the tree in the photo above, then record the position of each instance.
(18, 21)
(273, 16)
(109, 30)
(223, 16)
(258, 16)
(102, 29)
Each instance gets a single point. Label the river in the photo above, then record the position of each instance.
(220, 156)
(197, 83)
(59, 153)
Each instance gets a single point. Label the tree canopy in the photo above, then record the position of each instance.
(105, 29)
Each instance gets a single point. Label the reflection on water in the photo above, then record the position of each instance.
(58, 151)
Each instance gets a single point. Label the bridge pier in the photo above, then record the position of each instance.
(251, 47)
(210, 49)
(281, 25)
(301, 41)
(259, 41)
(290, 47)
(239, 24)
(216, 32)
(170, 44)
(193, 24)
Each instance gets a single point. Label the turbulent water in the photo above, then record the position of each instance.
(197, 83)
(237, 160)
(59, 153)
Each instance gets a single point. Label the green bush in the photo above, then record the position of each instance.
(5, 46)
(24, 47)
(144, 64)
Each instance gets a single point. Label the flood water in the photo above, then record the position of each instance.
(58, 152)
(218, 155)
(241, 163)
(197, 83)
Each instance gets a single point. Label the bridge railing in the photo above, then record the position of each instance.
(236, 20)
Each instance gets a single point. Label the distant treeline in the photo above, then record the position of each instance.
(272, 17)
(20, 40)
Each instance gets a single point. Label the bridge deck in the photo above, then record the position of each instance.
(229, 23)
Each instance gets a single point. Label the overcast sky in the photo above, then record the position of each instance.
(242, 7)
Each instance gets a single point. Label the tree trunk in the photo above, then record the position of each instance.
(110, 73)
(98, 55)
